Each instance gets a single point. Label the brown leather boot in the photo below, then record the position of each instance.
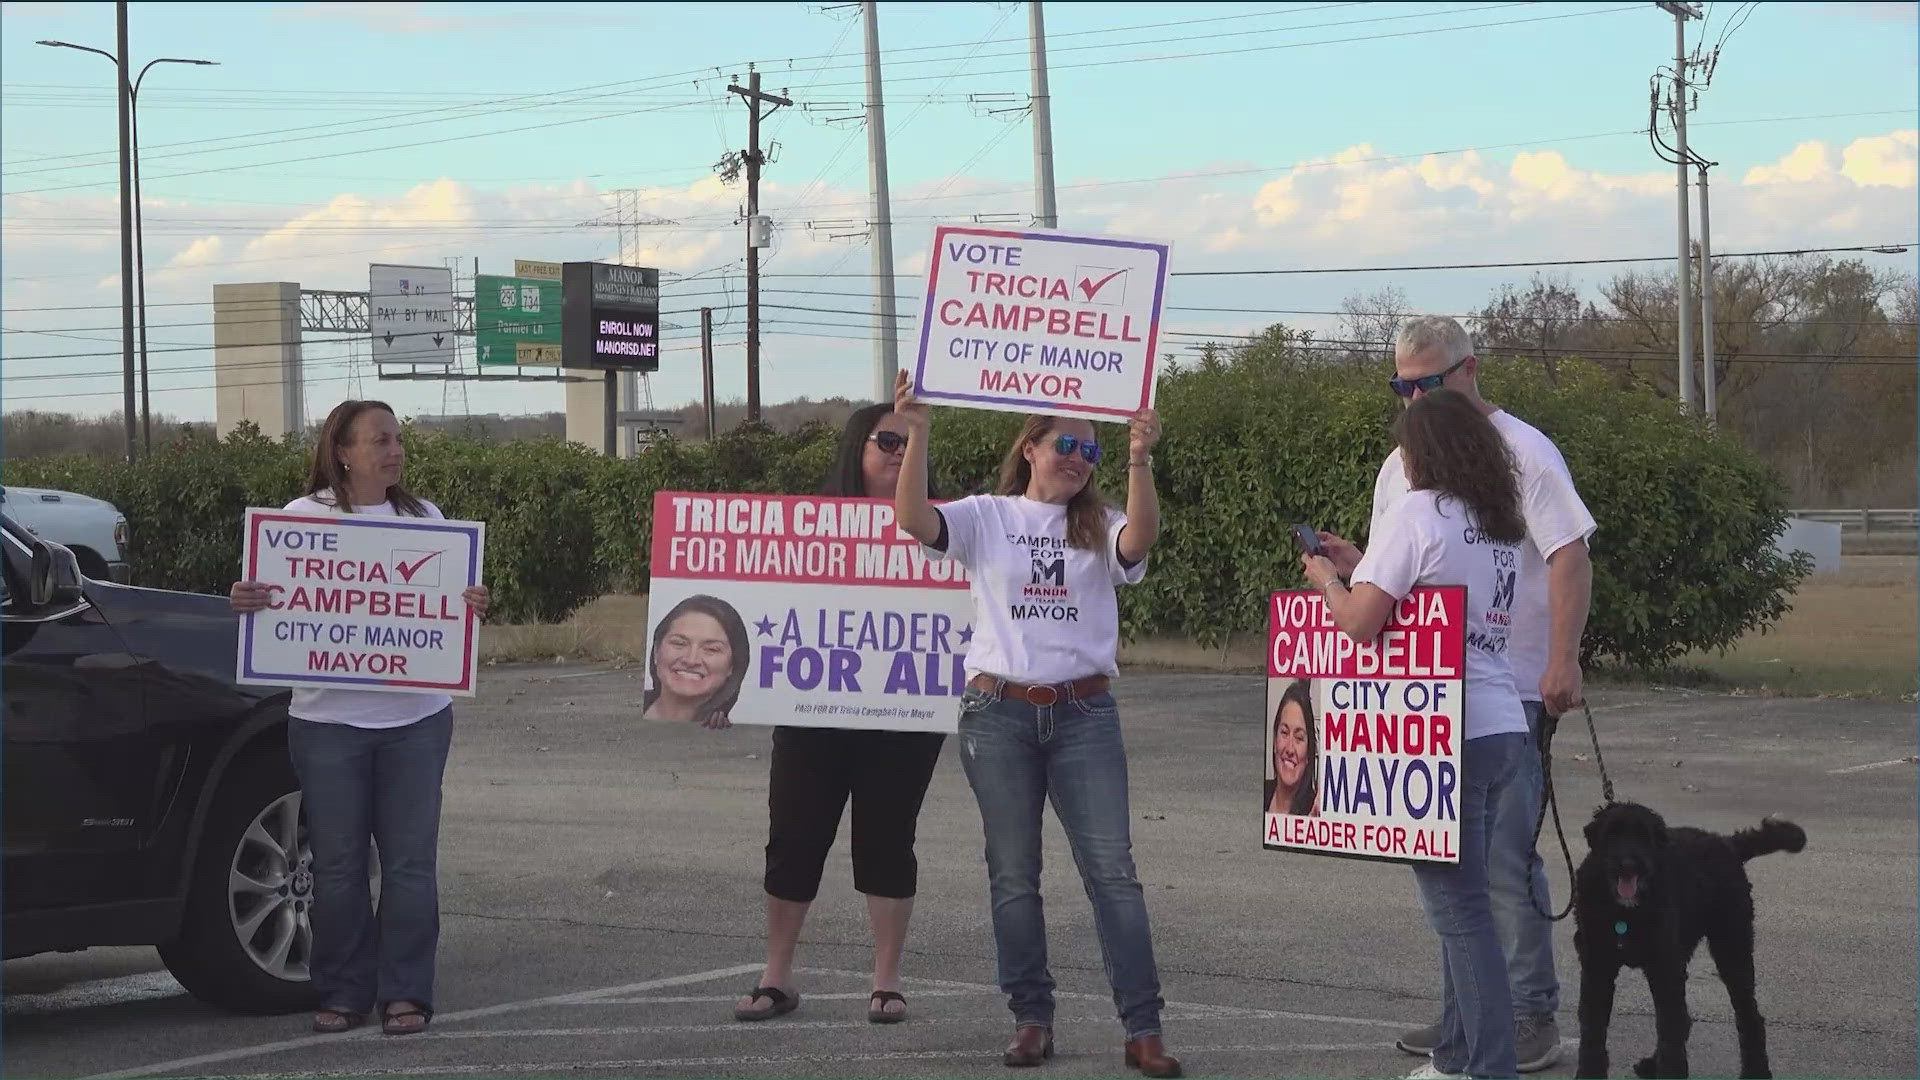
(1031, 1045)
(1150, 1056)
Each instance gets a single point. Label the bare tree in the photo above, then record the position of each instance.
(1544, 322)
(1368, 324)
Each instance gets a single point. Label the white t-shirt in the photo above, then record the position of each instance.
(1043, 612)
(1430, 539)
(1555, 517)
(362, 708)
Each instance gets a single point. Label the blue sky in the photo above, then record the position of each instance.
(633, 96)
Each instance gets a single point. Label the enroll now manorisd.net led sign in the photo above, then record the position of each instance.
(611, 317)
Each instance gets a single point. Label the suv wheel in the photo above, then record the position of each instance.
(246, 938)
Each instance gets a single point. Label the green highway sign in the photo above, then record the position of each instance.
(516, 321)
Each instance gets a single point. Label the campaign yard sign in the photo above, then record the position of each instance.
(1362, 744)
(1041, 321)
(362, 602)
(803, 611)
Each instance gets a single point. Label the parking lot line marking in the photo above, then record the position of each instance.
(1236, 1010)
(374, 1032)
(806, 995)
(992, 1020)
(546, 1068)
(1889, 763)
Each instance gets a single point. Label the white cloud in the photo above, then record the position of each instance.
(1888, 160)
(1352, 208)
(1873, 161)
(1808, 161)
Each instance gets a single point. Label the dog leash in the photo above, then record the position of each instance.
(1548, 799)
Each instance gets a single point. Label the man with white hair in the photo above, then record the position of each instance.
(1552, 595)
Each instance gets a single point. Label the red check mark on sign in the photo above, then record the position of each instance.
(407, 571)
(1092, 288)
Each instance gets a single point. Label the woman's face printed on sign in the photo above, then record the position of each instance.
(695, 656)
(1290, 746)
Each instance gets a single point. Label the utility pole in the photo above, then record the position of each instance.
(755, 237)
(1681, 12)
(886, 331)
(1048, 214)
(1710, 379)
(706, 366)
(126, 221)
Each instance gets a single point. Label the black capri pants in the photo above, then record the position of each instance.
(814, 772)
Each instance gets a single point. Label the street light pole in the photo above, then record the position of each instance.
(140, 243)
(132, 241)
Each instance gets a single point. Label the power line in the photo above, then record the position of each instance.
(578, 95)
(949, 76)
(381, 122)
(374, 149)
(1268, 48)
(1570, 320)
(1330, 163)
(1885, 249)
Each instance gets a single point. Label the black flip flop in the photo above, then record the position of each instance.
(329, 1021)
(779, 1003)
(877, 1013)
(388, 1025)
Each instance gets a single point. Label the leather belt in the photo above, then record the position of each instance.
(1043, 695)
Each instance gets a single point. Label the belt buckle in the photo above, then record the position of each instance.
(1053, 696)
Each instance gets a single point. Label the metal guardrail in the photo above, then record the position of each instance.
(1864, 520)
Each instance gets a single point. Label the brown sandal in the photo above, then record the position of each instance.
(399, 1021)
(336, 1021)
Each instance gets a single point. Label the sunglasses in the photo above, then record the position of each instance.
(889, 442)
(1066, 444)
(1425, 384)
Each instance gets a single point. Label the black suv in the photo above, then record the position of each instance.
(148, 797)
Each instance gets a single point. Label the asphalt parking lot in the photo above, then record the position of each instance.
(602, 908)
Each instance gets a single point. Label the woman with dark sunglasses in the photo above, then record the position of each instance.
(817, 771)
(1037, 722)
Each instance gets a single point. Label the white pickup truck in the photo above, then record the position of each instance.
(93, 528)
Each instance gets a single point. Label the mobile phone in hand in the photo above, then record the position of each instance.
(1308, 539)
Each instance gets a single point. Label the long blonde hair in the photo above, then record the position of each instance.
(1086, 511)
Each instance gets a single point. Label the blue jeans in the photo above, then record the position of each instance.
(1476, 1017)
(383, 784)
(1017, 757)
(1525, 935)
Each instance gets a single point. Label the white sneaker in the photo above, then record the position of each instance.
(1430, 1071)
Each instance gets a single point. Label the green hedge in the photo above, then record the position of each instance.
(1683, 558)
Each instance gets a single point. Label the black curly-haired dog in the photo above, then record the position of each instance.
(1644, 897)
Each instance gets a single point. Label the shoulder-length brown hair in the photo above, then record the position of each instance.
(327, 474)
(1086, 511)
(1452, 448)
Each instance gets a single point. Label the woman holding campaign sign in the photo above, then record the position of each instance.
(817, 770)
(1296, 754)
(370, 764)
(1461, 525)
(1044, 556)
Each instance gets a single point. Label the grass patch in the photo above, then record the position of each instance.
(1855, 633)
(1852, 633)
(610, 628)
